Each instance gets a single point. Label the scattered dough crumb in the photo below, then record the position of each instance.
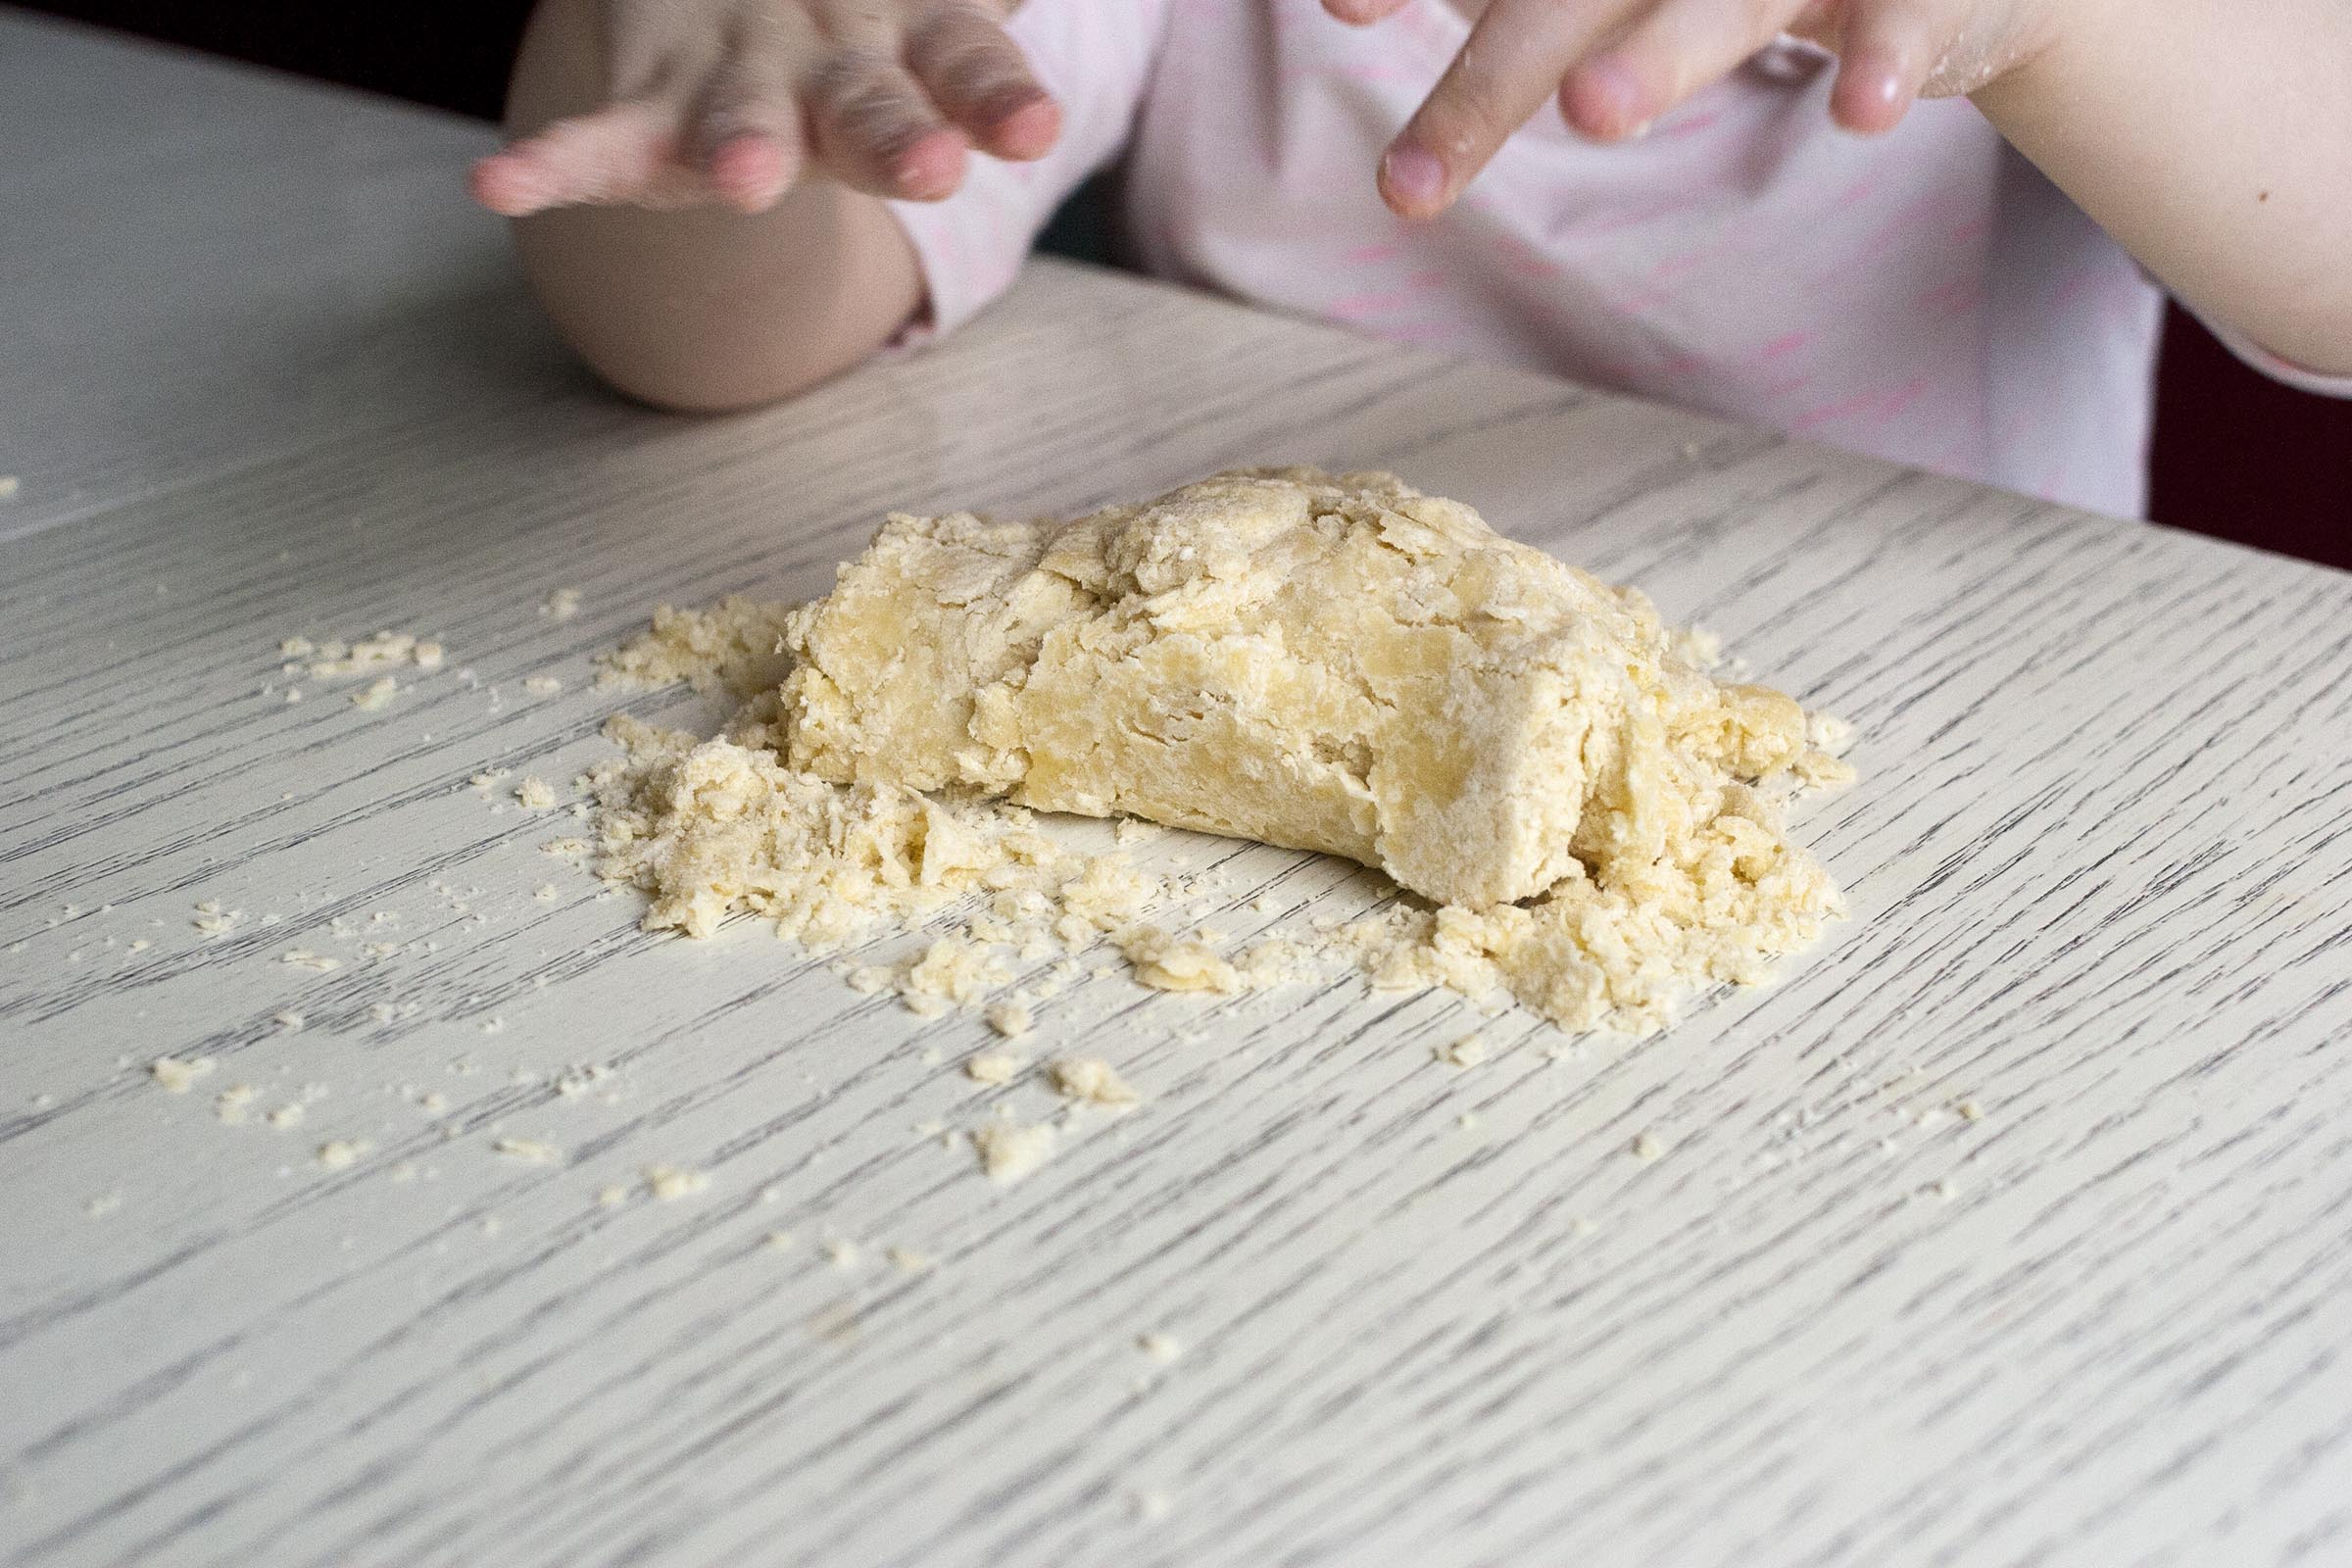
(906, 1260)
(1153, 1505)
(375, 694)
(542, 685)
(229, 1104)
(535, 793)
(290, 1022)
(670, 1182)
(611, 1196)
(1009, 1152)
(343, 1152)
(530, 1151)
(305, 959)
(842, 1252)
(562, 604)
(736, 645)
(1168, 962)
(1970, 1111)
(1645, 1147)
(1011, 1019)
(1093, 1080)
(778, 1241)
(176, 1075)
(1159, 1347)
(992, 1067)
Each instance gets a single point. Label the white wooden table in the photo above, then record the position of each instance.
(265, 376)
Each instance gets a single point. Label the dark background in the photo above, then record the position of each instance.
(2236, 456)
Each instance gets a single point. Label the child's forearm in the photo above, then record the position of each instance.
(705, 309)
(2214, 139)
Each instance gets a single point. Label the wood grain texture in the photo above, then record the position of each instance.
(2098, 859)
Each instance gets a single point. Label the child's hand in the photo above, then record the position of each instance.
(727, 102)
(1617, 65)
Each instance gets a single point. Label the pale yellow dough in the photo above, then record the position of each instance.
(1334, 664)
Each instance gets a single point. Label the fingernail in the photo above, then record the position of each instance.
(1414, 175)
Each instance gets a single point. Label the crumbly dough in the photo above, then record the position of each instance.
(1338, 664)
(1341, 665)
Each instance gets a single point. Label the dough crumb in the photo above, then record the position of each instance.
(386, 650)
(216, 921)
(1168, 962)
(1970, 1111)
(1093, 1081)
(229, 1104)
(735, 646)
(343, 1152)
(305, 959)
(535, 793)
(376, 694)
(1162, 1347)
(906, 1260)
(1009, 1153)
(1011, 1019)
(290, 1022)
(778, 1241)
(667, 1182)
(842, 1252)
(176, 1075)
(542, 685)
(562, 604)
(530, 1151)
(1646, 1148)
(992, 1067)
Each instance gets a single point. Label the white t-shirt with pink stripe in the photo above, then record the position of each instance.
(1925, 296)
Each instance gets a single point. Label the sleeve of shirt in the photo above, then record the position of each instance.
(1095, 57)
(2271, 366)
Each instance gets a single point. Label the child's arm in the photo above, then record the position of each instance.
(700, 186)
(2212, 137)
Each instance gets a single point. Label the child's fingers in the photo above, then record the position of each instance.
(610, 154)
(1513, 62)
(747, 126)
(874, 129)
(1673, 52)
(1886, 51)
(980, 81)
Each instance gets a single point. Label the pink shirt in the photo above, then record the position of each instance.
(1925, 296)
